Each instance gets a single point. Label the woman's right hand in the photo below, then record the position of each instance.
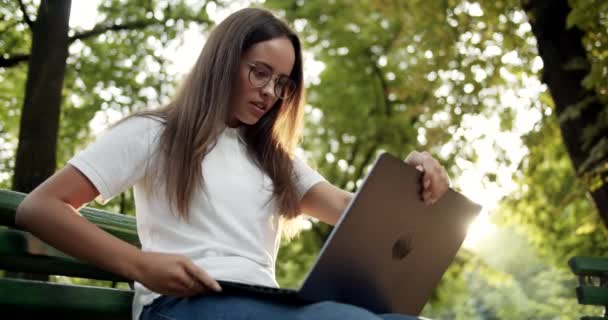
(174, 275)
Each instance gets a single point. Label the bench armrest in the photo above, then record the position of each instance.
(589, 266)
(119, 225)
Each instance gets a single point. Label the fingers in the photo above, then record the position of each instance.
(435, 180)
(190, 282)
(415, 158)
(180, 286)
(435, 184)
(192, 286)
(201, 277)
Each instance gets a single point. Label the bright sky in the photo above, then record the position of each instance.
(182, 57)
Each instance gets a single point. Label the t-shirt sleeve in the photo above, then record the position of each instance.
(306, 177)
(119, 157)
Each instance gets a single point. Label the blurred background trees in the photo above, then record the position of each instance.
(510, 95)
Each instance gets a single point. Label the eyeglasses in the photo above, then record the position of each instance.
(260, 75)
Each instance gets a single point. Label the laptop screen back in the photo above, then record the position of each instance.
(389, 250)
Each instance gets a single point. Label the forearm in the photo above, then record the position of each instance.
(326, 202)
(60, 225)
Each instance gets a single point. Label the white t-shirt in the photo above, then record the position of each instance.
(233, 232)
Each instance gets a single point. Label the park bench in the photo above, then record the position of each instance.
(21, 252)
(592, 273)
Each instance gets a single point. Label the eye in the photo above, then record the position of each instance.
(261, 72)
(282, 81)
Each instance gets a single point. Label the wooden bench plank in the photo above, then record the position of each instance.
(20, 251)
(589, 266)
(597, 296)
(121, 226)
(51, 299)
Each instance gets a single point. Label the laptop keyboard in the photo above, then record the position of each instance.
(255, 288)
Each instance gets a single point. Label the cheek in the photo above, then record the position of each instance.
(243, 88)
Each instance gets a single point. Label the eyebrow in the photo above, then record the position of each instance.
(269, 66)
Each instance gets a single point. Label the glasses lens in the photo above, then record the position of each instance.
(259, 75)
(284, 88)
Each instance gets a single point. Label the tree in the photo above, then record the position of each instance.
(108, 47)
(576, 84)
(40, 114)
(567, 153)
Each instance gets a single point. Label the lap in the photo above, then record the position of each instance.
(246, 308)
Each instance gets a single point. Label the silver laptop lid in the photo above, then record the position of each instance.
(389, 250)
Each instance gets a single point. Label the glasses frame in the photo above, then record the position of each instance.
(253, 65)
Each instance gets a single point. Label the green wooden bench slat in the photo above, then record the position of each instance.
(22, 252)
(589, 266)
(121, 226)
(42, 297)
(592, 295)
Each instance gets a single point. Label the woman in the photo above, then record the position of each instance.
(214, 182)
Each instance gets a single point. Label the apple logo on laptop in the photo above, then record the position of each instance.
(402, 247)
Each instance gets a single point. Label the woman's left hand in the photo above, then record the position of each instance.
(435, 181)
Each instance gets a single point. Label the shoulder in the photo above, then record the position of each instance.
(138, 126)
(141, 121)
(303, 169)
(300, 161)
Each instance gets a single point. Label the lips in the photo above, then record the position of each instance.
(257, 108)
(260, 105)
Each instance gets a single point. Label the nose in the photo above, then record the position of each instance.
(268, 89)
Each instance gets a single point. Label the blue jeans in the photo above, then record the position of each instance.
(245, 308)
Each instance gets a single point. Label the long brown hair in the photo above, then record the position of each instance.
(197, 114)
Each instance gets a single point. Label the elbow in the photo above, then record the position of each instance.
(347, 197)
(24, 212)
(341, 206)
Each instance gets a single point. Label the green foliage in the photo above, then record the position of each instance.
(550, 202)
(507, 280)
(14, 40)
(401, 75)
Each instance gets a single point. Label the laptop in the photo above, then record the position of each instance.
(388, 251)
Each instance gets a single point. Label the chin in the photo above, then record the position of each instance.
(248, 120)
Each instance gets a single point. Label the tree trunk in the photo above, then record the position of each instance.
(38, 131)
(565, 66)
